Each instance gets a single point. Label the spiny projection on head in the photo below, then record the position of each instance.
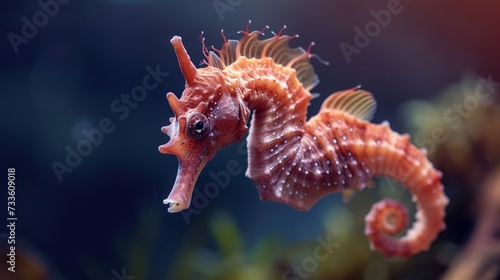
(291, 160)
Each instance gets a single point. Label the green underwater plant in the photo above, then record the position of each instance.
(272, 257)
(230, 260)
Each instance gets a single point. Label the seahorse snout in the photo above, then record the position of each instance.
(187, 174)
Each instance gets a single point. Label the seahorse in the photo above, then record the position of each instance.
(291, 160)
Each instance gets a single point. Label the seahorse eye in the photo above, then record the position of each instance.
(198, 126)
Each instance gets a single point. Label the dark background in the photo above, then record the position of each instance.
(67, 76)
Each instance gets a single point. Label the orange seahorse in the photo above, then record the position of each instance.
(290, 160)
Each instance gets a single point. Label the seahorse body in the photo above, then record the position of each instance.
(291, 160)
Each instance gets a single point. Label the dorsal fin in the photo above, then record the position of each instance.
(275, 47)
(354, 101)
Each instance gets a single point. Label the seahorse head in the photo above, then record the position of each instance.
(209, 116)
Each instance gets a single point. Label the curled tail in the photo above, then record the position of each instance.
(380, 152)
(392, 155)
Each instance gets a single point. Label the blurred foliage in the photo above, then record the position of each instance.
(274, 258)
(230, 261)
(460, 128)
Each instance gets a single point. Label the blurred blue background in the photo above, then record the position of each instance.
(107, 214)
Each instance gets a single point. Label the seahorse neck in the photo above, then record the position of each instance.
(271, 90)
(278, 125)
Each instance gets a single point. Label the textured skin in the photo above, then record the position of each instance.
(291, 160)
